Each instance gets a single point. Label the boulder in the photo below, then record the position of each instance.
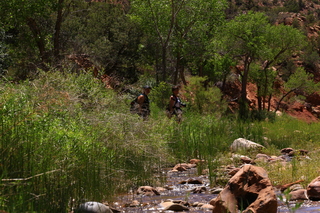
(249, 190)
(244, 144)
(313, 189)
(300, 194)
(93, 207)
(206, 206)
(147, 191)
(169, 205)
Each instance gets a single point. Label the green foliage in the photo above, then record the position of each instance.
(160, 95)
(204, 100)
(103, 31)
(4, 58)
(293, 6)
(301, 80)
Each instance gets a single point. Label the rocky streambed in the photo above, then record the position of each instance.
(179, 195)
(248, 187)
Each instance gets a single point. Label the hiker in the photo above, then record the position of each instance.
(141, 104)
(175, 104)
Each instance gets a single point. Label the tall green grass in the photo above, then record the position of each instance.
(66, 139)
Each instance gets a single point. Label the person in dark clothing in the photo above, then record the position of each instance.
(175, 104)
(143, 103)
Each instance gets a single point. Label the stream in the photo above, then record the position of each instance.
(183, 192)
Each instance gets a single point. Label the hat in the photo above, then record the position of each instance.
(146, 87)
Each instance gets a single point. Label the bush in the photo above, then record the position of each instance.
(202, 99)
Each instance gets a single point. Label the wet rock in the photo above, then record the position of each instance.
(244, 144)
(93, 207)
(216, 190)
(147, 191)
(184, 166)
(134, 203)
(161, 189)
(300, 194)
(250, 189)
(191, 181)
(199, 190)
(207, 206)
(313, 189)
(169, 205)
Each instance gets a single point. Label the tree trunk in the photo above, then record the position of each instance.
(38, 37)
(285, 95)
(176, 73)
(164, 63)
(243, 105)
(56, 40)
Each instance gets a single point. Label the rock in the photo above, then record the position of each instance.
(134, 203)
(244, 144)
(313, 189)
(285, 186)
(199, 190)
(207, 206)
(93, 207)
(196, 161)
(303, 152)
(161, 189)
(300, 194)
(246, 160)
(249, 190)
(295, 187)
(184, 166)
(216, 190)
(233, 171)
(286, 151)
(147, 191)
(173, 206)
(262, 158)
(191, 181)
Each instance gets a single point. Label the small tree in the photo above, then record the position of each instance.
(300, 80)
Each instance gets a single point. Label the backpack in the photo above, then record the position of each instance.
(134, 104)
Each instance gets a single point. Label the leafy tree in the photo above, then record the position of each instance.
(35, 27)
(299, 81)
(177, 26)
(281, 42)
(105, 33)
(243, 38)
(257, 45)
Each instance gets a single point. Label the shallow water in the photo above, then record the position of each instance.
(151, 204)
